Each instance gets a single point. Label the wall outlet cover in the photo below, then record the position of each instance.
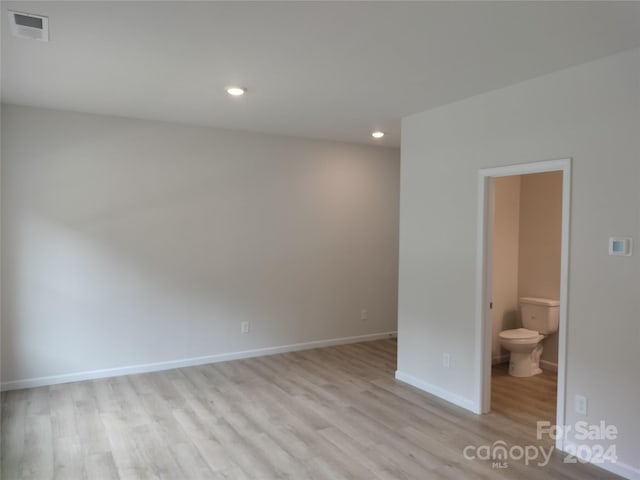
(446, 360)
(581, 405)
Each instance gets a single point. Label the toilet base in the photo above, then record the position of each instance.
(525, 364)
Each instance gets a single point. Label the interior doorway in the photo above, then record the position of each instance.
(525, 249)
(518, 277)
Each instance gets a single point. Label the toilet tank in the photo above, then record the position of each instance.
(540, 314)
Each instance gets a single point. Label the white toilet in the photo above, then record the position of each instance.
(540, 318)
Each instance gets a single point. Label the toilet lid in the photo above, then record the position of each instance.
(518, 334)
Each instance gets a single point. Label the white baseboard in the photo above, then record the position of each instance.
(437, 391)
(186, 362)
(550, 366)
(618, 468)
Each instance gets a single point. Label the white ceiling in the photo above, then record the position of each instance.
(333, 70)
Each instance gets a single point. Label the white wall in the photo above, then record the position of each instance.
(505, 243)
(590, 113)
(129, 242)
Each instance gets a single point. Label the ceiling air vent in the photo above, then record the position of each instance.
(28, 25)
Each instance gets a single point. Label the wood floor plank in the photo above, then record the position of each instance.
(324, 414)
(100, 466)
(38, 459)
(129, 461)
(14, 410)
(65, 451)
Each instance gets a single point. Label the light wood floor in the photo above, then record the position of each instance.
(329, 413)
(524, 400)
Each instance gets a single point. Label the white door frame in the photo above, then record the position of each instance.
(483, 280)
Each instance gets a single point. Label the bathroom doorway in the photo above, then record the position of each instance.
(526, 243)
(523, 252)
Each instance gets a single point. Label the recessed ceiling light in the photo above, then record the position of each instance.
(236, 91)
(377, 134)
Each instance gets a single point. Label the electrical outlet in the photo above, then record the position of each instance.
(244, 327)
(364, 315)
(581, 405)
(446, 360)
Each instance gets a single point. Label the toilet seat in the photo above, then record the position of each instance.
(521, 335)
